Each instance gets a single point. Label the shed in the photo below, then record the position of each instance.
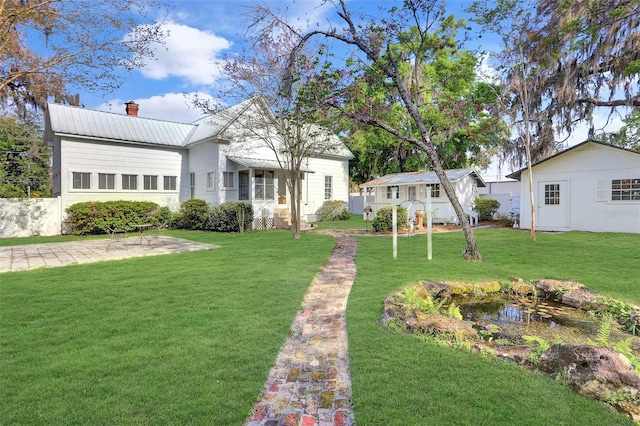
(410, 191)
(592, 186)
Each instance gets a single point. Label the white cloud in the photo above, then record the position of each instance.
(188, 53)
(170, 106)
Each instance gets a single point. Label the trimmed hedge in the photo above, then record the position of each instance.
(334, 210)
(225, 217)
(383, 220)
(94, 217)
(486, 208)
(193, 214)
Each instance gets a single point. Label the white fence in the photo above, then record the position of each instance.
(30, 217)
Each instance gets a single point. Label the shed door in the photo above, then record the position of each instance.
(553, 202)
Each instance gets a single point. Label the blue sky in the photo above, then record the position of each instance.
(203, 31)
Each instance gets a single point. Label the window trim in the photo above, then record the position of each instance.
(244, 189)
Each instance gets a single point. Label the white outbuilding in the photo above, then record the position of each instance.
(591, 186)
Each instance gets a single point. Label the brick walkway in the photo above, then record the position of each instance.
(310, 384)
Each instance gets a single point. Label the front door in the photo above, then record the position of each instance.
(552, 205)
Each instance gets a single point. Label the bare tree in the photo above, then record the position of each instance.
(410, 26)
(50, 47)
(289, 126)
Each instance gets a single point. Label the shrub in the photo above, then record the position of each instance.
(94, 217)
(507, 221)
(226, 217)
(334, 210)
(193, 214)
(486, 208)
(383, 220)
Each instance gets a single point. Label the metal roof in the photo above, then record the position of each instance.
(411, 178)
(258, 163)
(517, 174)
(117, 127)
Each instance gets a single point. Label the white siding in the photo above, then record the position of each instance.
(203, 159)
(103, 157)
(313, 184)
(582, 169)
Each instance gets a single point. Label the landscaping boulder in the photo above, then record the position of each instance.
(556, 288)
(579, 298)
(439, 290)
(440, 324)
(515, 353)
(598, 373)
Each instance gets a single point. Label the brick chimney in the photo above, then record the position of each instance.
(132, 108)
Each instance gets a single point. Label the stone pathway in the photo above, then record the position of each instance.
(310, 384)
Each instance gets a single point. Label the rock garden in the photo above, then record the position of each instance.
(588, 341)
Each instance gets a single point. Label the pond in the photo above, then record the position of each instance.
(552, 321)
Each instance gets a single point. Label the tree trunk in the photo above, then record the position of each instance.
(294, 208)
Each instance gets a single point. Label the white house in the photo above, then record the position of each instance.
(590, 187)
(410, 191)
(100, 156)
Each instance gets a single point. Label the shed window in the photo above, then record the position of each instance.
(625, 189)
(435, 189)
(81, 180)
(393, 192)
(552, 194)
(411, 193)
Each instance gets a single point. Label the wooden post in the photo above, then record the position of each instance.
(394, 225)
(429, 224)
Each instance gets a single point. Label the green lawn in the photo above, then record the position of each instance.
(180, 339)
(401, 380)
(190, 338)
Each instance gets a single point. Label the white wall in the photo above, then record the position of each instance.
(120, 158)
(313, 184)
(30, 217)
(582, 170)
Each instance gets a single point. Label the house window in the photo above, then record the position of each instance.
(411, 193)
(551, 194)
(150, 182)
(264, 184)
(192, 184)
(170, 183)
(106, 181)
(243, 177)
(81, 180)
(391, 190)
(625, 190)
(328, 188)
(435, 189)
(211, 181)
(130, 182)
(227, 178)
